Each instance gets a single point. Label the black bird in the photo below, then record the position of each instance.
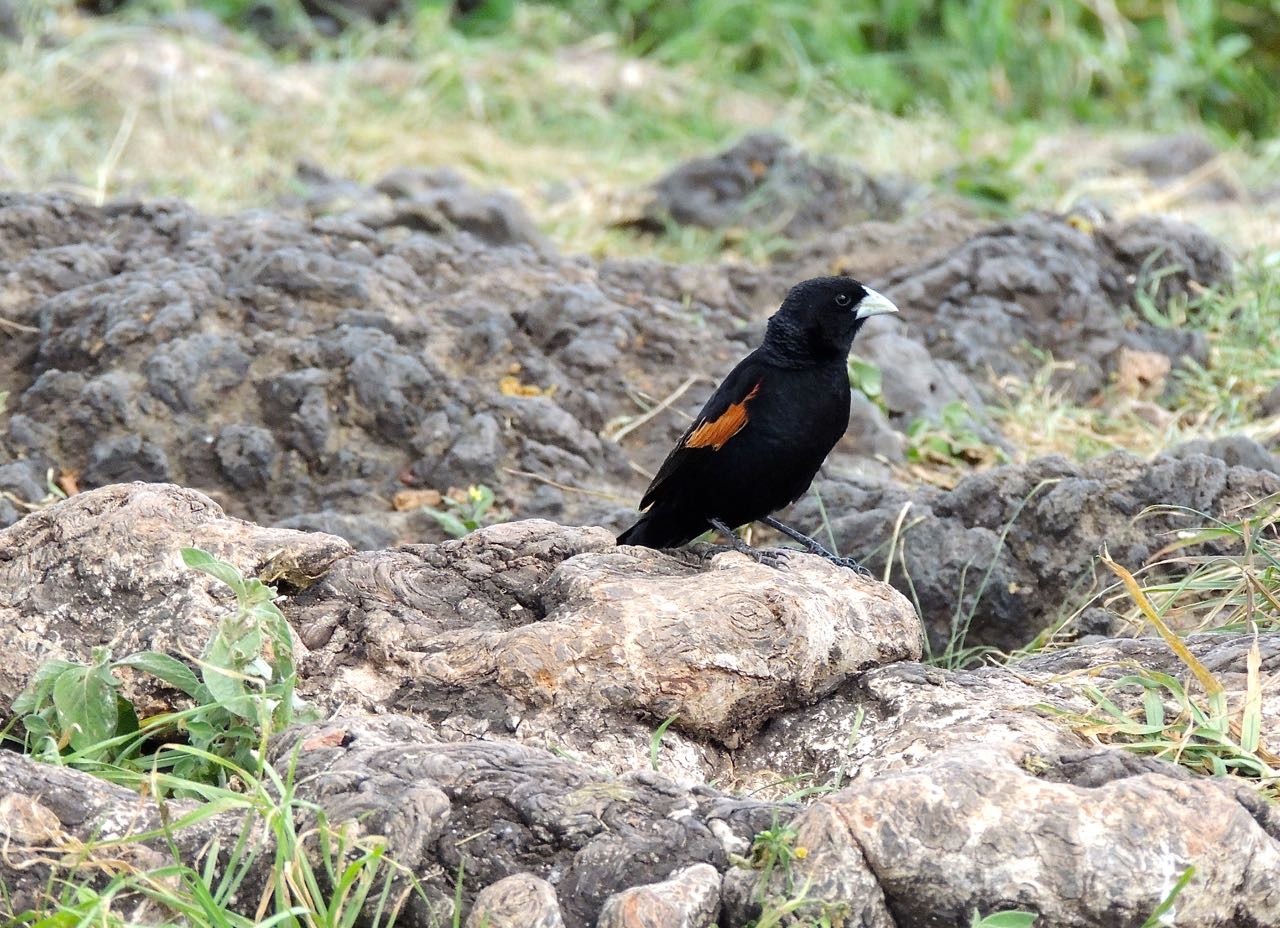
(766, 430)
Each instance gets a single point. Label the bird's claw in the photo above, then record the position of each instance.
(851, 564)
(770, 557)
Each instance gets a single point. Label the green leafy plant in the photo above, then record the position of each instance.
(1127, 58)
(867, 379)
(73, 713)
(461, 517)
(949, 438)
(1007, 919)
(772, 853)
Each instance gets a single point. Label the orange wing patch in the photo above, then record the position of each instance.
(714, 434)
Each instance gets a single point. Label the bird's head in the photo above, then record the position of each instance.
(819, 318)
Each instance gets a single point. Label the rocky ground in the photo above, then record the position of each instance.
(313, 372)
(494, 699)
(310, 377)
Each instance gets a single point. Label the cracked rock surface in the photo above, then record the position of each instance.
(941, 791)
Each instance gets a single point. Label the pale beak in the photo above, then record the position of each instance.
(874, 304)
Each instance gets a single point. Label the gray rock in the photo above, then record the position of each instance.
(950, 791)
(1172, 157)
(870, 432)
(247, 454)
(689, 898)
(999, 557)
(24, 479)
(764, 182)
(129, 457)
(1039, 282)
(473, 457)
(915, 385)
(1270, 404)
(521, 900)
(1235, 450)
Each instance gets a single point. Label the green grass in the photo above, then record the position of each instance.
(1193, 721)
(1124, 60)
(1200, 402)
(322, 874)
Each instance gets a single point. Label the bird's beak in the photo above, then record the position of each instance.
(874, 304)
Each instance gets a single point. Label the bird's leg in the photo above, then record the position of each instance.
(813, 547)
(768, 558)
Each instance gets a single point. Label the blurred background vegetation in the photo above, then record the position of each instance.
(1149, 62)
(568, 102)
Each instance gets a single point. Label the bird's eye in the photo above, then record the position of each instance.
(843, 299)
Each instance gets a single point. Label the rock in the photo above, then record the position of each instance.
(521, 900)
(1172, 157)
(637, 623)
(689, 898)
(439, 200)
(914, 384)
(995, 560)
(104, 566)
(310, 368)
(44, 806)
(10, 23)
(1041, 282)
(449, 666)
(473, 634)
(500, 809)
(763, 182)
(958, 784)
(1234, 450)
(338, 13)
(1167, 258)
(116, 459)
(1270, 404)
(24, 480)
(435, 201)
(870, 431)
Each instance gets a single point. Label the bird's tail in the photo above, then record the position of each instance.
(641, 533)
(663, 527)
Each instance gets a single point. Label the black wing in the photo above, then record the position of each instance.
(724, 416)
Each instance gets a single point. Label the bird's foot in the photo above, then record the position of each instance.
(850, 564)
(769, 557)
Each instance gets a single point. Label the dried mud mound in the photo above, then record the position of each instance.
(308, 371)
(1041, 283)
(765, 183)
(949, 791)
(1008, 551)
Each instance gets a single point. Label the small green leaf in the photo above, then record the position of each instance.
(205, 562)
(167, 669)
(1012, 919)
(36, 695)
(452, 525)
(656, 741)
(126, 717)
(866, 378)
(86, 702)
